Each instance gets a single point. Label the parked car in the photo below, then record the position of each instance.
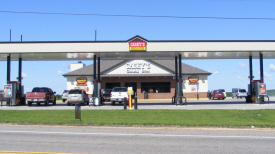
(239, 93)
(217, 94)
(77, 96)
(65, 95)
(118, 94)
(41, 95)
(224, 92)
(106, 94)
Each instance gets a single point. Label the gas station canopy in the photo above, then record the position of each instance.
(137, 48)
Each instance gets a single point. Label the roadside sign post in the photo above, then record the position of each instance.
(78, 111)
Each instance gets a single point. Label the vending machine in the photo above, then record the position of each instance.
(258, 91)
(11, 93)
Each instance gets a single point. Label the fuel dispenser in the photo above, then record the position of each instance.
(11, 93)
(258, 91)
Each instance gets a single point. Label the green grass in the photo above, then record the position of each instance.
(189, 118)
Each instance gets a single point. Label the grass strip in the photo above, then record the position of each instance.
(190, 118)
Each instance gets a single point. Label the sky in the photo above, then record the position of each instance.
(65, 20)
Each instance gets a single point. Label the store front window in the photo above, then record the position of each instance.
(112, 85)
(155, 87)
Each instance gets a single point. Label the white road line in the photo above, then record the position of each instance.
(156, 135)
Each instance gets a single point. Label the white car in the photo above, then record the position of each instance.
(77, 97)
(118, 94)
(239, 93)
(65, 95)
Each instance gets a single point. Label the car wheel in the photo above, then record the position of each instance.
(29, 103)
(68, 104)
(38, 104)
(112, 103)
(63, 100)
(54, 102)
(222, 98)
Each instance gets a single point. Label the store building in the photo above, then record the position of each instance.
(156, 77)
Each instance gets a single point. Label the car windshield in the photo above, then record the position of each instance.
(222, 90)
(40, 90)
(119, 90)
(242, 90)
(66, 91)
(218, 91)
(75, 92)
(107, 91)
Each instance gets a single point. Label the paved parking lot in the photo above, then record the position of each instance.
(228, 103)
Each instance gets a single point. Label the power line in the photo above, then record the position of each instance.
(139, 16)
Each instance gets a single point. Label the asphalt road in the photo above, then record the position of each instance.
(87, 139)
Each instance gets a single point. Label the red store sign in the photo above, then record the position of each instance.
(137, 46)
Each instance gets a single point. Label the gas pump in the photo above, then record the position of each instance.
(258, 91)
(15, 96)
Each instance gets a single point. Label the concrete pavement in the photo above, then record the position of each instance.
(228, 103)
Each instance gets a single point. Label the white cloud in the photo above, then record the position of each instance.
(59, 72)
(216, 72)
(241, 65)
(66, 65)
(241, 78)
(271, 68)
(269, 76)
(24, 75)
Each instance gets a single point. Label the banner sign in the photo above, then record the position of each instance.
(81, 81)
(7, 90)
(137, 46)
(193, 80)
(262, 89)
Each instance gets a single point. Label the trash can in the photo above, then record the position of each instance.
(145, 95)
(95, 101)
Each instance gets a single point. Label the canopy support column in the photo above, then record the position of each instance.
(98, 77)
(180, 95)
(8, 68)
(261, 68)
(95, 83)
(249, 97)
(20, 81)
(176, 77)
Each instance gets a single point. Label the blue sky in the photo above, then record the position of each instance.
(227, 74)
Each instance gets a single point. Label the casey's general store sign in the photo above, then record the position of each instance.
(137, 46)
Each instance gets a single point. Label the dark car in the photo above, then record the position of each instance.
(106, 94)
(217, 94)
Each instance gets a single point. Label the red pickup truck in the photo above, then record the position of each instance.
(41, 95)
